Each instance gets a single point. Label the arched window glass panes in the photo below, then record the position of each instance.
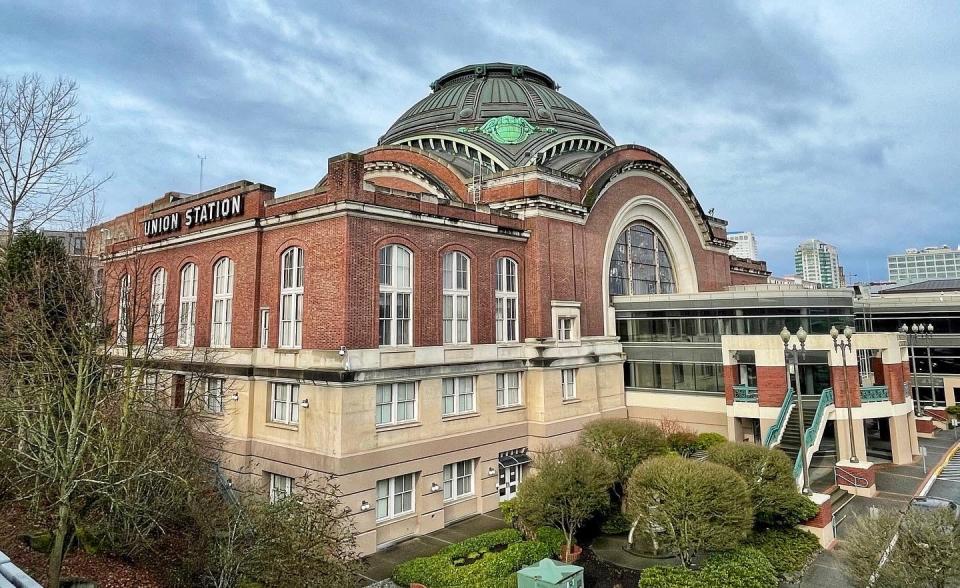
(188, 305)
(456, 298)
(222, 315)
(395, 305)
(123, 310)
(506, 294)
(640, 263)
(158, 298)
(291, 298)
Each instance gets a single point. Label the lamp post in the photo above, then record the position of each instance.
(792, 354)
(843, 344)
(914, 333)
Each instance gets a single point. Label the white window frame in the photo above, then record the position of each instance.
(456, 298)
(453, 475)
(280, 487)
(213, 399)
(264, 328)
(187, 326)
(452, 390)
(123, 310)
(291, 298)
(285, 403)
(568, 383)
(221, 315)
(506, 389)
(507, 293)
(394, 490)
(395, 296)
(566, 328)
(158, 302)
(388, 404)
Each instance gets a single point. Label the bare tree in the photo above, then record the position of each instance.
(41, 144)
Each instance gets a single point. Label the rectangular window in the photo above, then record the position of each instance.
(395, 497)
(396, 403)
(280, 487)
(285, 404)
(568, 383)
(214, 402)
(458, 480)
(457, 395)
(508, 389)
(565, 328)
(264, 328)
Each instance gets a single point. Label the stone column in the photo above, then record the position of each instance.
(900, 440)
(842, 431)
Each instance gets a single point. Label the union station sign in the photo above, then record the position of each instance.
(200, 214)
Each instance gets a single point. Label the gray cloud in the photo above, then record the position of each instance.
(821, 120)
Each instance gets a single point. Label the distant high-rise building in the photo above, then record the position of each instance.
(924, 264)
(816, 261)
(746, 245)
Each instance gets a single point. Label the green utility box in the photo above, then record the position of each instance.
(547, 573)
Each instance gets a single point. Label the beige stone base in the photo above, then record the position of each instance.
(869, 491)
(926, 435)
(823, 534)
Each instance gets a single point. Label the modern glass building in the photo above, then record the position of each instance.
(924, 264)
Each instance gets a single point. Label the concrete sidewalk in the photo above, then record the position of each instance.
(896, 485)
(380, 565)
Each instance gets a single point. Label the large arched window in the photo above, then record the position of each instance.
(158, 300)
(222, 303)
(456, 298)
(188, 305)
(395, 315)
(291, 297)
(507, 288)
(640, 263)
(123, 310)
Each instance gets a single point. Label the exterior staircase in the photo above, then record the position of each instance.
(790, 444)
(790, 439)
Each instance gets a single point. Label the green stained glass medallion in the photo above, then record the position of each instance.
(508, 130)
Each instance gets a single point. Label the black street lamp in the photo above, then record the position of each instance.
(914, 333)
(792, 356)
(844, 344)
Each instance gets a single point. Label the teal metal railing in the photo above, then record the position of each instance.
(744, 393)
(773, 433)
(874, 394)
(810, 435)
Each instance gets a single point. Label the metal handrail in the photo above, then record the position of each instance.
(744, 393)
(775, 432)
(874, 394)
(811, 434)
(847, 478)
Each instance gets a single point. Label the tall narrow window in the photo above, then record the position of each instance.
(222, 303)
(123, 310)
(280, 487)
(285, 404)
(188, 305)
(291, 298)
(456, 298)
(507, 287)
(568, 383)
(264, 328)
(214, 396)
(396, 295)
(640, 263)
(158, 299)
(508, 389)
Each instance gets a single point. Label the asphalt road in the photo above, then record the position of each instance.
(948, 482)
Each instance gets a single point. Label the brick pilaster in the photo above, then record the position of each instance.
(771, 385)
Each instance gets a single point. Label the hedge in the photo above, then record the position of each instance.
(744, 567)
(493, 569)
(788, 550)
(708, 440)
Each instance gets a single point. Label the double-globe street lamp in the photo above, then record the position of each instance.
(913, 334)
(843, 345)
(792, 355)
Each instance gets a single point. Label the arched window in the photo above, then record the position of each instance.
(508, 327)
(158, 299)
(291, 297)
(396, 295)
(188, 305)
(222, 303)
(123, 310)
(456, 298)
(640, 263)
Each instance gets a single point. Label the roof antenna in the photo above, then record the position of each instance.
(202, 158)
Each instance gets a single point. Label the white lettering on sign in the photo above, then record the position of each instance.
(200, 214)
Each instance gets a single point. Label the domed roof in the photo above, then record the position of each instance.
(504, 116)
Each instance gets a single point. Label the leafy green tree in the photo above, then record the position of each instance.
(926, 553)
(688, 506)
(623, 443)
(570, 486)
(769, 475)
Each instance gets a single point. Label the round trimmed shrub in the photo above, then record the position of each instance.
(683, 442)
(788, 550)
(708, 440)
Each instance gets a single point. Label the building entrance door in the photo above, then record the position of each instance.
(510, 477)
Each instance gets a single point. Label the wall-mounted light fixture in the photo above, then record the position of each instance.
(236, 396)
(434, 487)
(491, 471)
(364, 506)
(343, 350)
(305, 403)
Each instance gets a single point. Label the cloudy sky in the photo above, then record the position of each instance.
(838, 121)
